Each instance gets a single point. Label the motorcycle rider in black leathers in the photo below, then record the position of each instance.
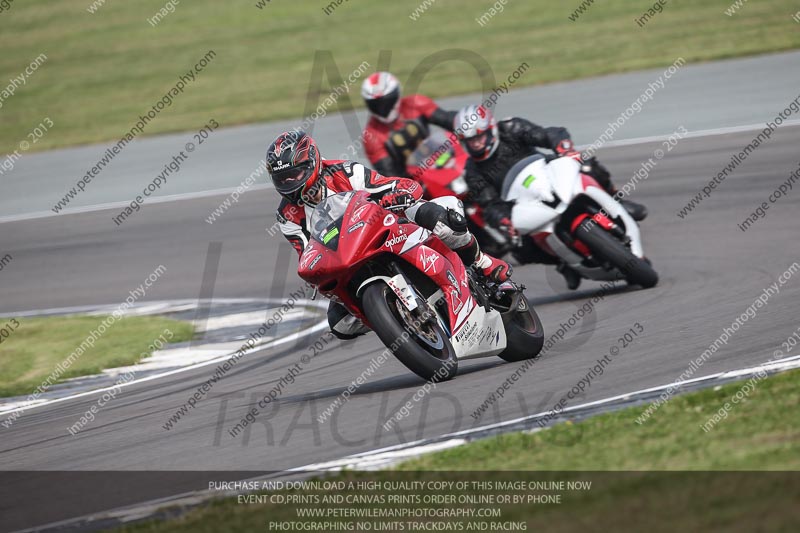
(494, 147)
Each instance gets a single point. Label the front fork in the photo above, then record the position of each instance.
(422, 309)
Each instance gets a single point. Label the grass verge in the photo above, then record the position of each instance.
(35, 347)
(105, 69)
(706, 480)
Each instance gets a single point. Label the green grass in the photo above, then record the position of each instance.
(704, 483)
(33, 351)
(105, 69)
(761, 433)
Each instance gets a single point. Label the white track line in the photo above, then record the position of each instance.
(278, 342)
(393, 454)
(372, 460)
(203, 194)
(692, 134)
(118, 205)
(148, 306)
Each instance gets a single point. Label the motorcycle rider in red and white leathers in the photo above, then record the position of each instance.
(397, 124)
(303, 178)
(496, 146)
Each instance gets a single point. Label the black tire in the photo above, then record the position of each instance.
(603, 245)
(525, 334)
(431, 360)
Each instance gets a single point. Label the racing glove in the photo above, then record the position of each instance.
(403, 141)
(507, 228)
(566, 148)
(406, 193)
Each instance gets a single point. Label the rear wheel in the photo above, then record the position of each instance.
(422, 347)
(606, 248)
(524, 333)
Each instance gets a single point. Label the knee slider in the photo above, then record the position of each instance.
(456, 221)
(429, 214)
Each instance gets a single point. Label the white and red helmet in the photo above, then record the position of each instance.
(381, 93)
(476, 127)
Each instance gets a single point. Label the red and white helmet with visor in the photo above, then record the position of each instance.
(476, 127)
(381, 93)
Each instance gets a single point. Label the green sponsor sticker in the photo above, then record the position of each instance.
(444, 158)
(330, 235)
(528, 181)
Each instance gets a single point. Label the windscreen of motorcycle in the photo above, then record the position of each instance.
(326, 221)
(433, 152)
(529, 179)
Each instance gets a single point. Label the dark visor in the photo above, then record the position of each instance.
(383, 106)
(292, 178)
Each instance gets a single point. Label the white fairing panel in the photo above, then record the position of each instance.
(482, 335)
(531, 187)
(565, 178)
(532, 217)
(532, 184)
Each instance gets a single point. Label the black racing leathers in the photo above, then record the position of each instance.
(519, 138)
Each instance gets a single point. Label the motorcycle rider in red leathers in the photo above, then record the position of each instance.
(303, 178)
(404, 119)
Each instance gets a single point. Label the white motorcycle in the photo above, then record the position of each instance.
(568, 215)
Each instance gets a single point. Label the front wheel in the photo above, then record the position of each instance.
(524, 333)
(606, 248)
(422, 346)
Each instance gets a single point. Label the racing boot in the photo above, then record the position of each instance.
(637, 211)
(571, 276)
(344, 325)
(494, 268)
(491, 267)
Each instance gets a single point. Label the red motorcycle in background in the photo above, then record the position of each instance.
(413, 291)
(438, 164)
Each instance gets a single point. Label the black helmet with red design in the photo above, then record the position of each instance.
(476, 127)
(381, 93)
(293, 163)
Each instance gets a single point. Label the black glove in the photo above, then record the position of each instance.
(403, 141)
(496, 211)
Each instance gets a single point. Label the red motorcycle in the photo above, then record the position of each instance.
(438, 164)
(413, 291)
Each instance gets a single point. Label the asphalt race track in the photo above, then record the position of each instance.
(710, 272)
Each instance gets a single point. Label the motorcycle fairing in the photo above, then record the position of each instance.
(325, 265)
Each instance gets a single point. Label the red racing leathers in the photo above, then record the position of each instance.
(421, 111)
(339, 176)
